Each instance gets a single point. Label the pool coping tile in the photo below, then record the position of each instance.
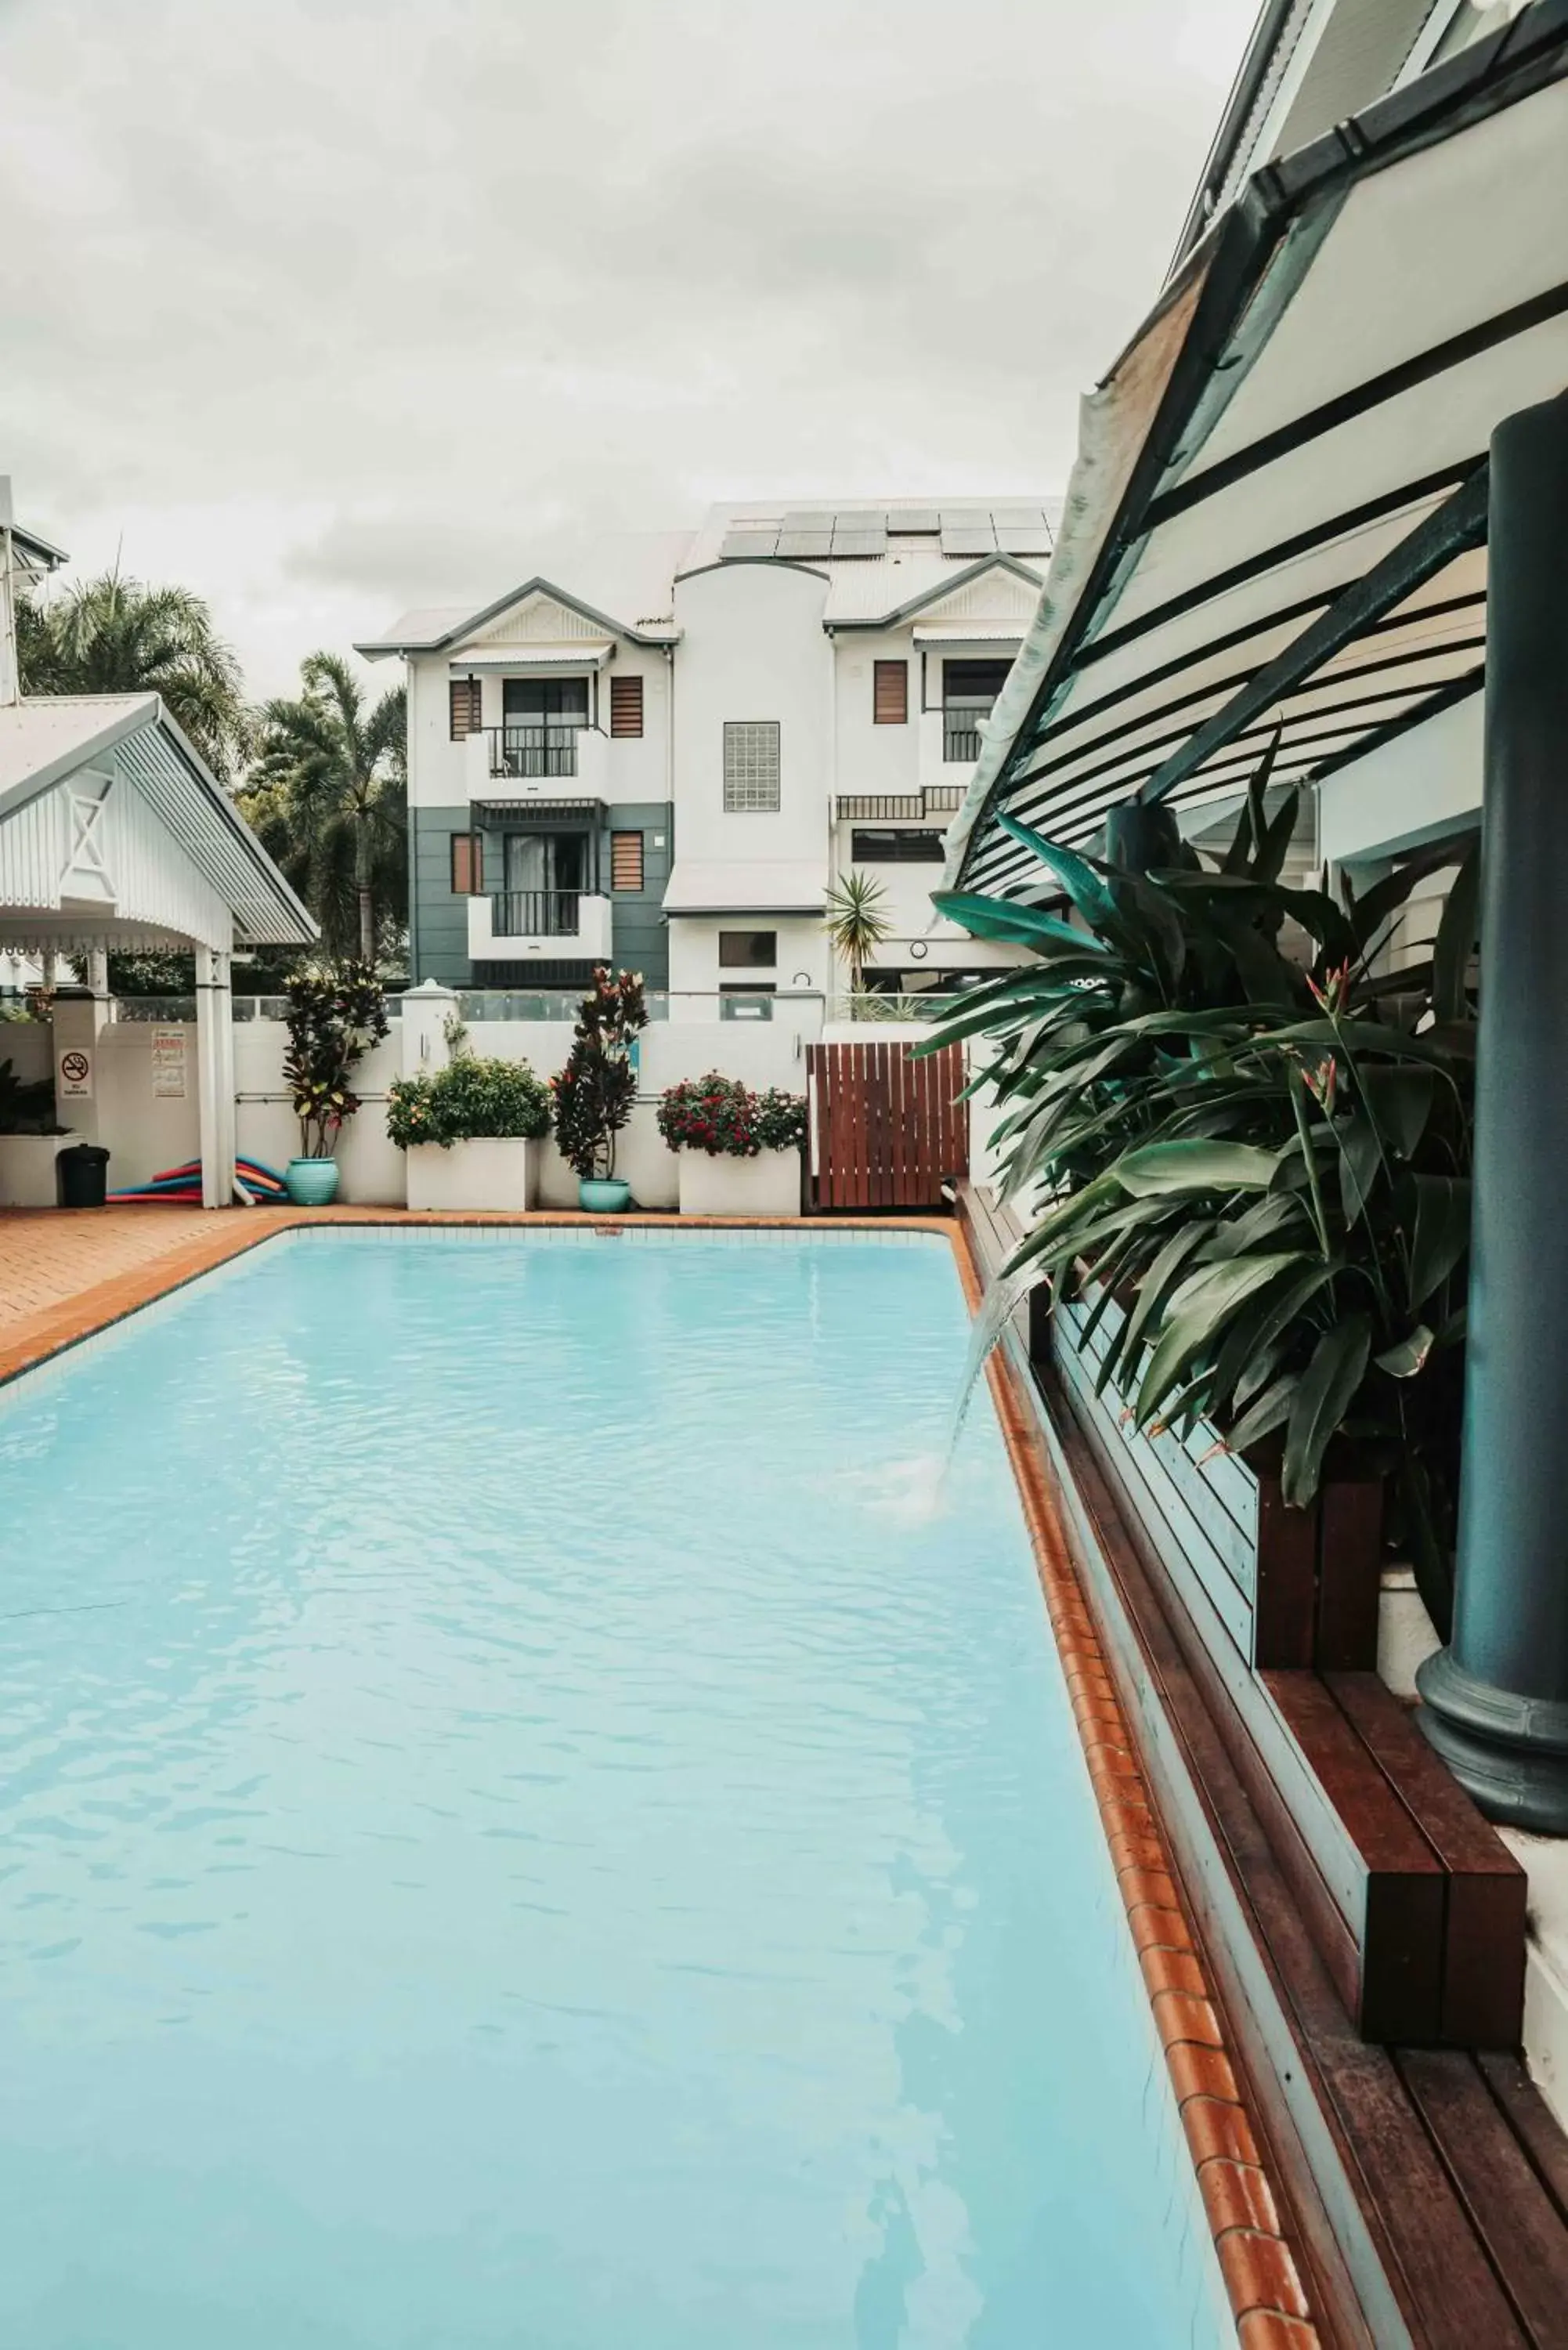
(1260, 2271)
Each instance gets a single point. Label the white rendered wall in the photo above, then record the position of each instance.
(804, 961)
(1425, 783)
(635, 768)
(872, 758)
(753, 648)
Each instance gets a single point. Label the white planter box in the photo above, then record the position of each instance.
(767, 1185)
(27, 1169)
(478, 1174)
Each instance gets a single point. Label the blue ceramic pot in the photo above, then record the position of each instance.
(602, 1196)
(311, 1182)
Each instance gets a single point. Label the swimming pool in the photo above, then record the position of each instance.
(529, 1821)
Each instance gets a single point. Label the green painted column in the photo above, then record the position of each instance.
(1495, 1702)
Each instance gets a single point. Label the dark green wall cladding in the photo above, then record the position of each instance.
(437, 923)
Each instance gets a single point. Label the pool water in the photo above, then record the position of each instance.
(529, 1820)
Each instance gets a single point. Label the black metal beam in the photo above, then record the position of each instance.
(1496, 1699)
(1458, 525)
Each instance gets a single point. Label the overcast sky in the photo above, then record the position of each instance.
(327, 308)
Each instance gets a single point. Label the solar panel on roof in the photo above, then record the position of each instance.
(737, 544)
(861, 518)
(804, 544)
(868, 543)
(968, 537)
(1023, 538)
(914, 518)
(813, 521)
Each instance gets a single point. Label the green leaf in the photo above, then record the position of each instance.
(1404, 1360)
(1271, 1407)
(1399, 1102)
(1006, 917)
(1328, 1388)
(1360, 1161)
(1455, 942)
(1274, 846)
(1085, 887)
(1198, 1311)
(1442, 1231)
(1154, 1290)
(1161, 1167)
(1252, 1338)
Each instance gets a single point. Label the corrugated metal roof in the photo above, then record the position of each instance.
(43, 740)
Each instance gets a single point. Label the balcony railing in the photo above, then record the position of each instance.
(899, 807)
(535, 913)
(961, 737)
(537, 749)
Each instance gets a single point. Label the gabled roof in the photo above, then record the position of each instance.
(46, 738)
(625, 589)
(949, 580)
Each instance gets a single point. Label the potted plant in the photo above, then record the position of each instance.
(739, 1151)
(30, 1139)
(334, 1018)
(596, 1090)
(470, 1130)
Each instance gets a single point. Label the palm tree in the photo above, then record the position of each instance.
(857, 922)
(329, 795)
(117, 636)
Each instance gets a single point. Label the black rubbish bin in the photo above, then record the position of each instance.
(80, 1180)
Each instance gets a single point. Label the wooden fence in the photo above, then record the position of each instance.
(886, 1129)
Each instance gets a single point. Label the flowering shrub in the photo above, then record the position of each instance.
(470, 1100)
(725, 1119)
(594, 1092)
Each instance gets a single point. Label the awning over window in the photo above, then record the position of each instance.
(529, 657)
(1277, 519)
(784, 887)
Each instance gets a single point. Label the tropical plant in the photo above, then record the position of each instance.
(117, 636)
(329, 795)
(334, 1018)
(1264, 1163)
(727, 1119)
(471, 1099)
(27, 1104)
(596, 1090)
(857, 921)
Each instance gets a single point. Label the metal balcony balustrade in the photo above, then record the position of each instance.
(536, 913)
(540, 747)
(899, 807)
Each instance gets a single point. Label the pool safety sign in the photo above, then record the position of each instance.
(73, 1074)
(168, 1065)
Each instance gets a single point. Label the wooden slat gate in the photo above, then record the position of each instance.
(886, 1129)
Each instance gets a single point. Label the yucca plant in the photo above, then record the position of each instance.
(857, 921)
(1264, 1161)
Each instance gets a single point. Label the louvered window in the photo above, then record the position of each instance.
(891, 693)
(464, 706)
(626, 860)
(626, 708)
(468, 864)
(751, 767)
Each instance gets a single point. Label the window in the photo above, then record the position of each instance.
(626, 860)
(626, 708)
(541, 718)
(464, 707)
(468, 865)
(753, 1002)
(751, 767)
(748, 950)
(868, 847)
(969, 689)
(891, 693)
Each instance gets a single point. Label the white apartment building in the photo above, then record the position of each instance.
(666, 757)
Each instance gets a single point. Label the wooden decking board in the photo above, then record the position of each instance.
(1391, 2221)
(1510, 2211)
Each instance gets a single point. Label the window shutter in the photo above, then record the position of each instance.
(626, 856)
(468, 865)
(891, 693)
(626, 708)
(462, 701)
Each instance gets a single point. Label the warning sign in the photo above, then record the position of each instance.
(73, 1078)
(168, 1065)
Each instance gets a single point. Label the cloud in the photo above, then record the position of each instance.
(338, 305)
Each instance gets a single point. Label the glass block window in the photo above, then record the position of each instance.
(751, 767)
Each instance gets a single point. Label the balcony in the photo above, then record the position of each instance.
(937, 802)
(514, 925)
(516, 765)
(950, 743)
